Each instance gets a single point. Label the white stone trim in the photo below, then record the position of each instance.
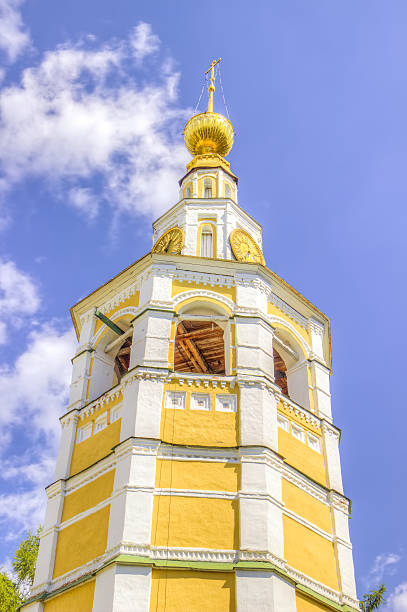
(175, 400)
(197, 555)
(203, 293)
(204, 278)
(288, 310)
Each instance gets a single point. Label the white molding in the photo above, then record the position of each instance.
(196, 555)
(288, 310)
(203, 293)
(204, 278)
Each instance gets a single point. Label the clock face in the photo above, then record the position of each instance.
(171, 242)
(245, 248)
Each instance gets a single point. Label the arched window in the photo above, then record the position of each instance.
(280, 372)
(207, 188)
(188, 192)
(206, 241)
(199, 347)
(228, 191)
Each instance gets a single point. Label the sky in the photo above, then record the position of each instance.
(93, 100)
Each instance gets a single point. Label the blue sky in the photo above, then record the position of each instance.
(93, 100)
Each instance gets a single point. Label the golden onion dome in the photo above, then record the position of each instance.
(209, 133)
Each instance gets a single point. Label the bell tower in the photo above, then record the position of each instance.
(199, 466)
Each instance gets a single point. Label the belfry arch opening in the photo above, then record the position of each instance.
(122, 360)
(199, 347)
(280, 372)
(291, 368)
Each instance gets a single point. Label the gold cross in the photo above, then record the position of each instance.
(211, 87)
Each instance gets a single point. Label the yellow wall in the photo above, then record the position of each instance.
(301, 456)
(88, 496)
(82, 541)
(307, 605)
(306, 506)
(192, 591)
(77, 599)
(195, 522)
(309, 552)
(201, 428)
(95, 448)
(199, 475)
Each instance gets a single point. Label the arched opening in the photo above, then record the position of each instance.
(122, 360)
(188, 192)
(207, 188)
(280, 372)
(291, 367)
(228, 191)
(199, 347)
(206, 241)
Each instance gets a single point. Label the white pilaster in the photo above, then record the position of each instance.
(66, 444)
(120, 588)
(102, 373)
(340, 511)
(258, 415)
(254, 347)
(332, 458)
(316, 331)
(263, 591)
(132, 504)
(80, 376)
(298, 384)
(260, 504)
(141, 412)
(49, 534)
(151, 339)
(321, 390)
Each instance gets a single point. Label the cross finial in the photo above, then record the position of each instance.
(211, 87)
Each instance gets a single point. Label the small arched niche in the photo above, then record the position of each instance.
(202, 341)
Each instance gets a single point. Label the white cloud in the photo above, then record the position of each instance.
(82, 116)
(397, 601)
(14, 37)
(143, 41)
(34, 389)
(84, 200)
(383, 564)
(34, 392)
(19, 296)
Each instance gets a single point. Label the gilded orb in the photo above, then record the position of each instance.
(209, 133)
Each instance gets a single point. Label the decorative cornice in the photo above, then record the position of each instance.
(204, 278)
(201, 380)
(97, 405)
(70, 417)
(120, 297)
(152, 554)
(300, 412)
(330, 430)
(288, 310)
